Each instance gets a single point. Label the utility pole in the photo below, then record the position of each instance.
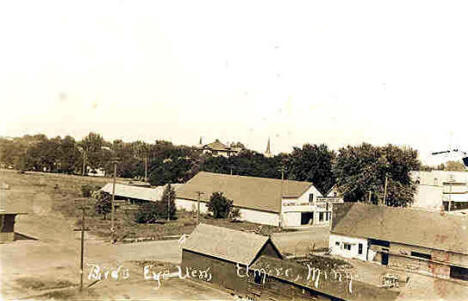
(281, 196)
(146, 169)
(84, 163)
(82, 230)
(198, 206)
(113, 199)
(385, 191)
(370, 197)
(168, 202)
(450, 197)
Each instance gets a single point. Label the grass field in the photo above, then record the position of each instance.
(63, 193)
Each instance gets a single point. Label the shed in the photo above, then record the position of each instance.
(220, 251)
(7, 226)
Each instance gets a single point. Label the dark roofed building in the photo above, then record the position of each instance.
(288, 280)
(218, 250)
(217, 148)
(250, 265)
(426, 242)
(260, 200)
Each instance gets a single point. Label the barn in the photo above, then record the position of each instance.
(135, 194)
(266, 201)
(216, 253)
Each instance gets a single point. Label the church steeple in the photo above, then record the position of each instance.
(268, 151)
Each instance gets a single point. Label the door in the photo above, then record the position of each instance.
(384, 258)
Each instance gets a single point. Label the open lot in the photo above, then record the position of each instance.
(44, 260)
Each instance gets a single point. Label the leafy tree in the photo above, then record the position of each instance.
(152, 212)
(360, 169)
(103, 204)
(148, 213)
(219, 205)
(168, 202)
(69, 155)
(235, 214)
(92, 146)
(454, 166)
(312, 163)
(88, 189)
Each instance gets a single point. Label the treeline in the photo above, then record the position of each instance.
(357, 170)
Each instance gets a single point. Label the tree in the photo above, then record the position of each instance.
(168, 202)
(219, 205)
(235, 214)
(312, 163)
(454, 166)
(362, 169)
(96, 156)
(103, 204)
(148, 213)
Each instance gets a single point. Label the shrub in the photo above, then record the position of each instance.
(235, 214)
(88, 189)
(148, 213)
(153, 212)
(219, 205)
(103, 203)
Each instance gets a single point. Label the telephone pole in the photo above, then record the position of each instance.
(281, 196)
(114, 161)
(82, 230)
(198, 206)
(385, 191)
(146, 169)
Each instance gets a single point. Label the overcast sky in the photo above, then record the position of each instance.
(334, 72)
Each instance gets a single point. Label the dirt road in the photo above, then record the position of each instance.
(46, 255)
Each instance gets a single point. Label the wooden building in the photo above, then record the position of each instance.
(250, 266)
(259, 200)
(218, 251)
(414, 240)
(275, 279)
(7, 224)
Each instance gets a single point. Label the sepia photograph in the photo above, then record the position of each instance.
(234, 150)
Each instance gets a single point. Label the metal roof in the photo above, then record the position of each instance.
(140, 193)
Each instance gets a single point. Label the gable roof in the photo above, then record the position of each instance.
(217, 145)
(136, 192)
(402, 225)
(231, 245)
(247, 192)
(330, 286)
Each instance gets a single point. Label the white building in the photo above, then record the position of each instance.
(135, 194)
(260, 200)
(217, 148)
(436, 189)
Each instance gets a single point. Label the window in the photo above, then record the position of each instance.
(337, 243)
(311, 198)
(421, 255)
(360, 249)
(378, 242)
(347, 246)
(320, 216)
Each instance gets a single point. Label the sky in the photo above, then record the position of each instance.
(333, 72)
